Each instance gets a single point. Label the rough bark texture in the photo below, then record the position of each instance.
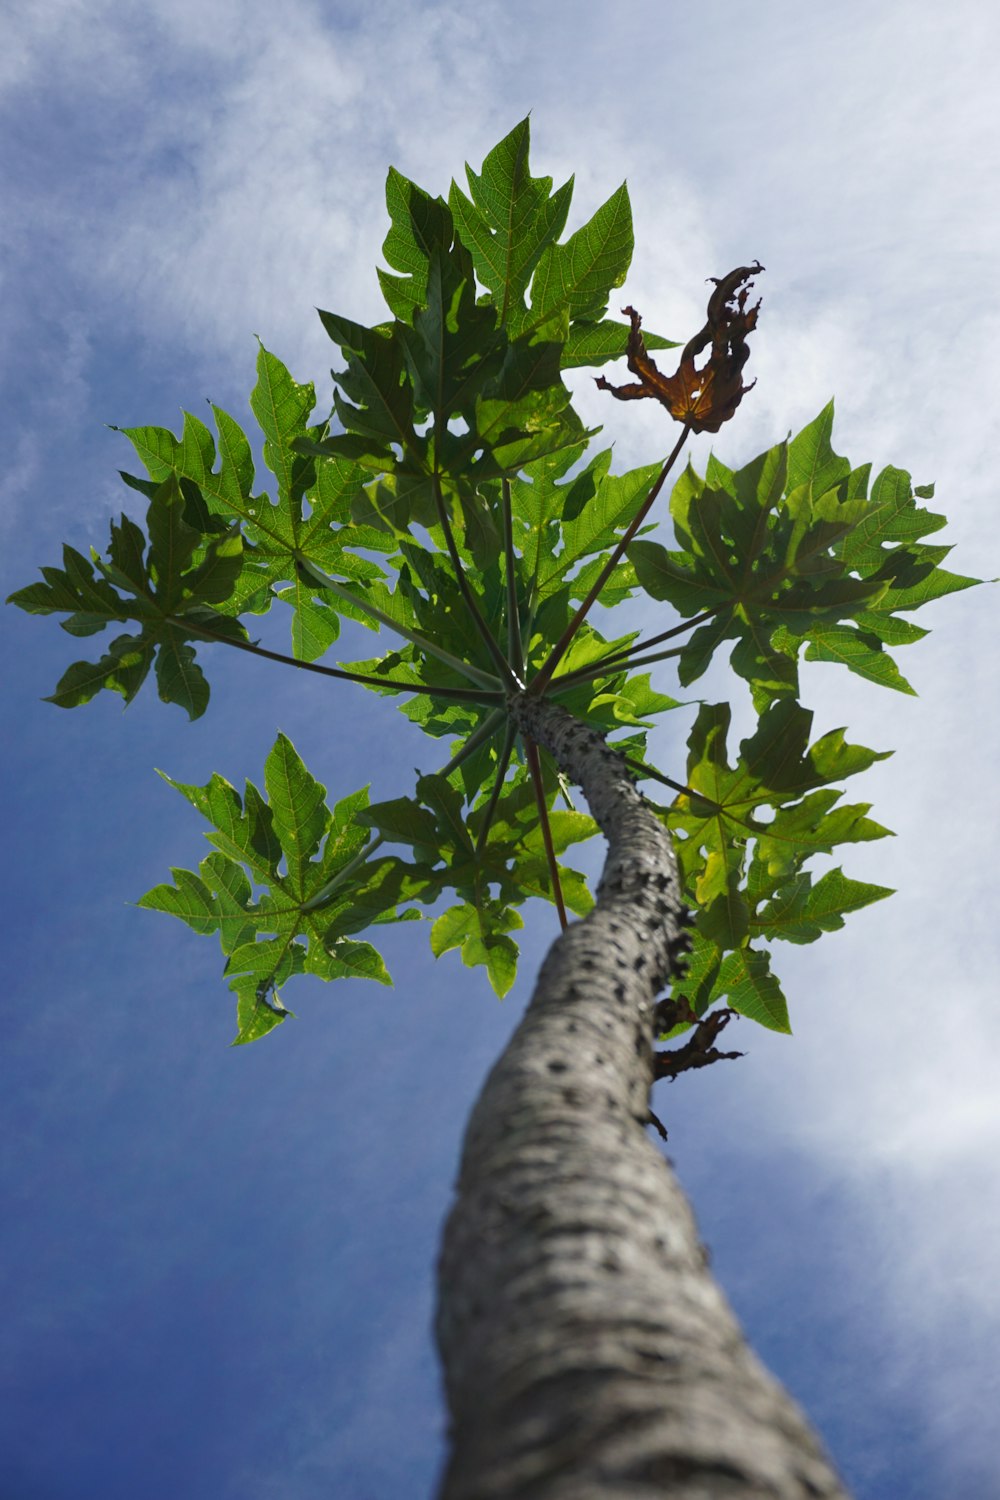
(588, 1353)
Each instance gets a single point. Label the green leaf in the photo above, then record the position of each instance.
(801, 912)
(168, 589)
(892, 517)
(72, 589)
(565, 828)
(179, 679)
(524, 414)
(256, 1013)
(453, 350)
(215, 900)
(723, 915)
(315, 624)
(379, 405)
(857, 650)
(668, 575)
(790, 552)
(742, 835)
(812, 461)
(601, 520)
(446, 803)
(813, 825)
(122, 670)
(746, 983)
(225, 490)
(697, 980)
(579, 276)
(281, 406)
(316, 888)
(280, 535)
(481, 933)
(508, 221)
(298, 811)
(449, 497)
(402, 820)
(420, 225)
(236, 460)
(539, 502)
(597, 343)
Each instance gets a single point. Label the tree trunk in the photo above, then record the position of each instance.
(588, 1354)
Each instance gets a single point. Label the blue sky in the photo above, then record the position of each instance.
(217, 1264)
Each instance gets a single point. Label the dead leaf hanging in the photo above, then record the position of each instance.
(702, 399)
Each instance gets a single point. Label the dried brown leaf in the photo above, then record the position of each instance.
(701, 398)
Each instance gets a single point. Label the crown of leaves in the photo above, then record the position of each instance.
(449, 500)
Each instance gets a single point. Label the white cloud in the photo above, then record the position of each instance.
(851, 148)
(261, 192)
(33, 31)
(63, 400)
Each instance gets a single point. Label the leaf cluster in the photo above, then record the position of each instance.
(744, 834)
(313, 890)
(792, 558)
(173, 581)
(449, 500)
(792, 552)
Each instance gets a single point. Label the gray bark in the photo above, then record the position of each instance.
(588, 1353)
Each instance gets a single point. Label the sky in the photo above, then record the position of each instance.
(217, 1265)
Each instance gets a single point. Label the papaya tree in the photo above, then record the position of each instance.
(454, 503)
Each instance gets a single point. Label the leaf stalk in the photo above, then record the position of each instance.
(535, 767)
(464, 695)
(515, 648)
(488, 727)
(601, 669)
(507, 675)
(595, 668)
(555, 656)
(498, 780)
(336, 881)
(466, 669)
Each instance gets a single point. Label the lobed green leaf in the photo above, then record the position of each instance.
(790, 552)
(315, 886)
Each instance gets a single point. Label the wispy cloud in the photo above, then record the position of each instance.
(187, 173)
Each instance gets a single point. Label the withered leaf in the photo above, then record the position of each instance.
(702, 399)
